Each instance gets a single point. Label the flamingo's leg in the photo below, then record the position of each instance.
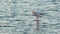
(37, 23)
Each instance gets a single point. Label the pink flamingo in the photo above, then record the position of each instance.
(37, 13)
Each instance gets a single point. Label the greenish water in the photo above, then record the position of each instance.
(16, 17)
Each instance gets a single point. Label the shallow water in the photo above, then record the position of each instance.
(16, 17)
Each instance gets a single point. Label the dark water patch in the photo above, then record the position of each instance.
(53, 0)
(7, 26)
(55, 3)
(30, 25)
(26, 10)
(25, 32)
(52, 10)
(14, 20)
(15, 2)
(19, 20)
(44, 26)
(53, 18)
(26, 2)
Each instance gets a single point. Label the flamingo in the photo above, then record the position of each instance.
(37, 13)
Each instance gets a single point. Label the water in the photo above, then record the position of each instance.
(16, 17)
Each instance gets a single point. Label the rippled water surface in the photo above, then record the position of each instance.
(16, 17)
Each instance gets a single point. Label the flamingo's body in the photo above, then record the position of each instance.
(38, 13)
